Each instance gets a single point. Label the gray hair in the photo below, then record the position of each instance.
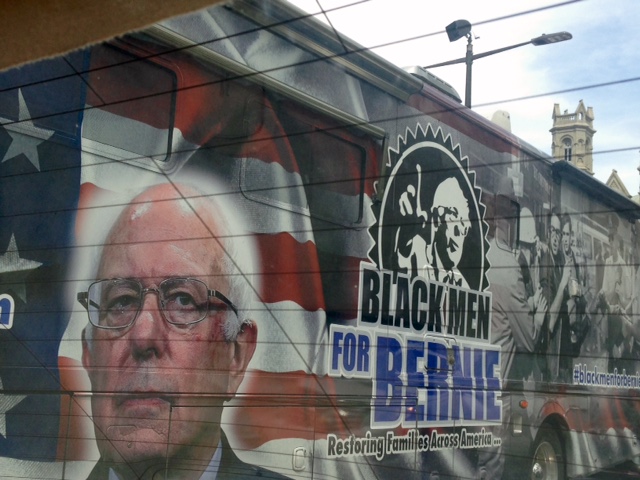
(240, 292)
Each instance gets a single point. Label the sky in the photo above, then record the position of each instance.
(600, 65)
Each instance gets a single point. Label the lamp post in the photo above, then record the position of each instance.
(462, 28)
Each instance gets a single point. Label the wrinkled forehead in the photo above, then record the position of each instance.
(169, 233)
(203, 249)
(165, 220)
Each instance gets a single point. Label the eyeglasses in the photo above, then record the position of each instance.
(115, 303)
(554, 231)
(451, 217)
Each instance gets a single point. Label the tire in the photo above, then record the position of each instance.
(547, 462)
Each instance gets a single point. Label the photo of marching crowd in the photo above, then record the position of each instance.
(580, 285)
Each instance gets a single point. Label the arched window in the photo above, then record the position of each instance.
(567, 149)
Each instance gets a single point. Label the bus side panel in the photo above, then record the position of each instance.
(317, 277)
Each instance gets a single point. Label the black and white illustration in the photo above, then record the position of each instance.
(431, 220)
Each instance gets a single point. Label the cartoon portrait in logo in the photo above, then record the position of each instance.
(431, 219)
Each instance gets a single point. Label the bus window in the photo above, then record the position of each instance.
(324, 178)
(332, 166)
(130, 106)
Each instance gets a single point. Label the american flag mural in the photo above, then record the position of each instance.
(41, 112)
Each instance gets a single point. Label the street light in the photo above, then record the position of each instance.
(462, 28)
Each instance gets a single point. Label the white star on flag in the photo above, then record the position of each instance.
(25, 136)
(12, 263)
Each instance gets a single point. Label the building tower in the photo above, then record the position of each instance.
(572, 136)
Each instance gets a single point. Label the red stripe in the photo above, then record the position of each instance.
(215, 112)
(297, 272)
(199, 104)
(269, 143)
(292, 405)
(290, 271)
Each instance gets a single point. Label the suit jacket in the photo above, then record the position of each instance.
(231, 468)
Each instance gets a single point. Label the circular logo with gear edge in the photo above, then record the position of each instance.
(431, 220)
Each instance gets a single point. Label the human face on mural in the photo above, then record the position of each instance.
(163, 378)
(451, 235)
(451, 212)
(554, 234)
(566, 238)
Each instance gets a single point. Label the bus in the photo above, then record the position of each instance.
(236, 244)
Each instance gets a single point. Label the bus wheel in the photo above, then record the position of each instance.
(547, 462)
